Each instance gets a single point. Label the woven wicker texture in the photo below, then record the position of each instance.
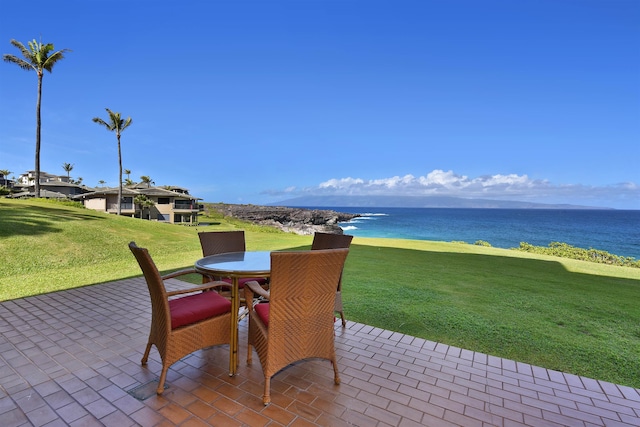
(220, 242)
(302, 298)
(174, 344)
(333, 241)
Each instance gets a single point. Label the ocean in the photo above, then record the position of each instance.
(613, 231)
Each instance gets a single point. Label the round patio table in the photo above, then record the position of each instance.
(235, 265)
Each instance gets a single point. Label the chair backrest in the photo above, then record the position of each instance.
(218, 242)
(330, 241)
(302, 297)
(159, 303)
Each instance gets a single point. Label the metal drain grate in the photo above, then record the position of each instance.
(146, 390)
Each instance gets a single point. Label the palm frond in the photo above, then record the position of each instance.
(54, 58)
(25, 52)
(18, 61)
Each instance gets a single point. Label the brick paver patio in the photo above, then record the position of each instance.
(73, 358)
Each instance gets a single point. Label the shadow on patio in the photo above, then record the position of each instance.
(73, 358)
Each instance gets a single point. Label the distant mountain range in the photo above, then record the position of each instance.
(418, 202)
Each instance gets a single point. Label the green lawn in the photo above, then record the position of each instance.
(572, 316)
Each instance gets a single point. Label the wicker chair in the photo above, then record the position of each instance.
(219, 242)
(180, 326)
(297, 322)
(333, 241)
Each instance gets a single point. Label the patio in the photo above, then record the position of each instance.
(73, 358)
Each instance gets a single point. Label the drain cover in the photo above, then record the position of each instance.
(146, 390)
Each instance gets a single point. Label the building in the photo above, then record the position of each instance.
(51, 186)
(166, 204)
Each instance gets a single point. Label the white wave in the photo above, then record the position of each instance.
(373, 214)
(349, 227)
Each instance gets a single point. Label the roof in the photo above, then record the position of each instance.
(47, 194)
(128, 191)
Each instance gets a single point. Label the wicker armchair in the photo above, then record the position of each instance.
(219, 242)
(180, 326)
(297, 322)
(333, 241)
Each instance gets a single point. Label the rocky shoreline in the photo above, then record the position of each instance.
(293, 220)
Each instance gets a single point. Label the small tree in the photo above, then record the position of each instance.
(118, 125)
(147, 180)
(38, 58)
(102, 182)
(144, 202)
(68, 167)
(5, 175)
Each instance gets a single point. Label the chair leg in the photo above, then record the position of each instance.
(146, 354)
(336, 375)
(266, 397)
(163, 377)
(249, 353)
(337, 306)
(344, 322)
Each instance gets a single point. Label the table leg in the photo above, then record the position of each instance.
(233, 346)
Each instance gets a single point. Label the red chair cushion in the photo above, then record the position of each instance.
(194, 308)
(262, 310)
(261, 281)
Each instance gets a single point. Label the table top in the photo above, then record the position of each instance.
(252, 263)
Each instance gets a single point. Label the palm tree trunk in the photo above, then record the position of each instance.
(38, 126)
(119, 178)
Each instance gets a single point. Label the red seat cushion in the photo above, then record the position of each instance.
(262, 310)
(194, 308)
(261, 281)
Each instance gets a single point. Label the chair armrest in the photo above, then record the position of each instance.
(207, 287)
(180, 273)
(255, 288)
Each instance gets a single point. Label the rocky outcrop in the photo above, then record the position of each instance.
(294, 220)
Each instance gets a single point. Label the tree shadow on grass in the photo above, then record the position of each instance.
(23, 221)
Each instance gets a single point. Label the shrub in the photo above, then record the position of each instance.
(65, 202)
(565, 250)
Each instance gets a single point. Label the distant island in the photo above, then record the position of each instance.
(419, 202)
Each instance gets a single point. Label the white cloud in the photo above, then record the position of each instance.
(437, 182)
(499, 187)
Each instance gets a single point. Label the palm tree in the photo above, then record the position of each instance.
(129, 183)
(68, 167)
(144, 202)
(128, 173)
(102, 182)
(118, 125)
(38, 58)
(5, 175)
(147, 180)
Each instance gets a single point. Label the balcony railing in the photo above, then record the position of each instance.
(186, 206)
(123, 206)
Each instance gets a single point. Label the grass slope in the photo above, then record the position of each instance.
(567, 315)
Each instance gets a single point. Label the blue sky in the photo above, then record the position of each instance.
(262, 101)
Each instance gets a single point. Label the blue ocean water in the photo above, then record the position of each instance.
(614, 231)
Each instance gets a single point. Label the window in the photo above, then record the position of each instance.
(163, 200)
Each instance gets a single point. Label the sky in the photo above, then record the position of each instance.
(266, 100)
